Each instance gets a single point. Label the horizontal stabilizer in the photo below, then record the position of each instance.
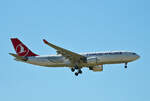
(19, 57)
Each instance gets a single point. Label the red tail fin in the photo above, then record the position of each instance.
(21, 49)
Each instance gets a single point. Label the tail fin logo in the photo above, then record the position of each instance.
(22, 50)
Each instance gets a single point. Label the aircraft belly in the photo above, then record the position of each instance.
(49, 62)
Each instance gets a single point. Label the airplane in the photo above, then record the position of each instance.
(75, 61)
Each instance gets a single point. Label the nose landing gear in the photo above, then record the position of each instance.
(125, 65)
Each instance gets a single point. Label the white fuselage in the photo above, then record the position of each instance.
(93, 59)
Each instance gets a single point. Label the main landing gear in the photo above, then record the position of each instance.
(72, 69)
(125, 65)
(79, 71)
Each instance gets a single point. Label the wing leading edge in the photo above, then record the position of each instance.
(72, 56)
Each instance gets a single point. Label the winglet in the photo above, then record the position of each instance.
(45, 41)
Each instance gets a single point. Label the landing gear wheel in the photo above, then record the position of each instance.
(76, 73)
(80, 71)
(72, 69)
(90, 68)
(125, 65)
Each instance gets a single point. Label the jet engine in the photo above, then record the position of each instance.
(97, 68)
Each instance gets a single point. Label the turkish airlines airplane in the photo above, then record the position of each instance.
(75, 61)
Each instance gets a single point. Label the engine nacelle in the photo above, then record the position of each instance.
(98, 68)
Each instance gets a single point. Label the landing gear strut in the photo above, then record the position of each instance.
(76, 67)
(125, 65)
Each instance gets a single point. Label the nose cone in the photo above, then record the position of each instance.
(133, 57)
(137, 56)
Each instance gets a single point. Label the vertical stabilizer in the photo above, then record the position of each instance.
(21, 49)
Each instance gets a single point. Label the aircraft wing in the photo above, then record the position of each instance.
(73, 57)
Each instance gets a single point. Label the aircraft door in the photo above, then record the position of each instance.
(96, 57)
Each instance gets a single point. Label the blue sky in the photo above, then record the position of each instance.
(80, 26)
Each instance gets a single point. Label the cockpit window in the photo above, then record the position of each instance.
(134, 53)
